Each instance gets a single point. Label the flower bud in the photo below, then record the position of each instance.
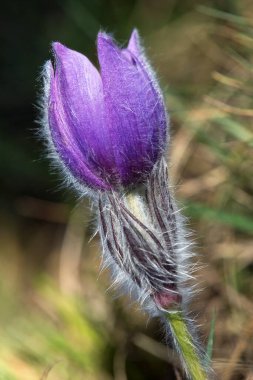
(106, 129)
(109, 131)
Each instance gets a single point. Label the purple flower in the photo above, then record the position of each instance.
(110, 128)
(109, 131)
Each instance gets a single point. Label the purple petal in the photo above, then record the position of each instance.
(72, 115)
(135, 48)
(134, 110)
(82, 96)
(134, 45)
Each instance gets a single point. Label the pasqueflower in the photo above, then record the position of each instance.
(108, 131)
(108, 128)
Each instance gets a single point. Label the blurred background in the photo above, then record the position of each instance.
(58, 317)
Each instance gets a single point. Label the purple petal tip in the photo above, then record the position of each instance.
(135, 34)
(59, 49)
(105, 40)
(102, 36)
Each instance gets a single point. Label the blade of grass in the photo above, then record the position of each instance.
(238, 221)
(236, 130)
(216, 13)
(209, 348)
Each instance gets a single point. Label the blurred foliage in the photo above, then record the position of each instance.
(57, 321)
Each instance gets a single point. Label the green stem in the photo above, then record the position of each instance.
(186, 346)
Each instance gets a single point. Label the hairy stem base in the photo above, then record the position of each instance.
(186, 347)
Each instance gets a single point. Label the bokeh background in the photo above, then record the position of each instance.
(59, 319)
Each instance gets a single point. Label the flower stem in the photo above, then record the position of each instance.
(185, 344)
